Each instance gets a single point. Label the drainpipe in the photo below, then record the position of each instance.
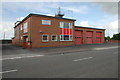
(30, 33)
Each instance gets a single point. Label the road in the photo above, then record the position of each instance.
(97, 63)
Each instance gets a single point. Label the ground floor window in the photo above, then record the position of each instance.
(65, 37)
(44, 38)
(54, 37)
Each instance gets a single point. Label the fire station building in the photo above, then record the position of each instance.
(37, 30)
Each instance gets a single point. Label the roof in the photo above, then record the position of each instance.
(31, 14)
(89, 27)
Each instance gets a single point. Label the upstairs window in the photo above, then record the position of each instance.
(25, 27)
(46, 22)
(21, 27)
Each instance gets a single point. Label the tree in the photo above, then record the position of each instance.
(116, 37)
(107, 38)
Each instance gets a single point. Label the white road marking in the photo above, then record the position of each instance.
(8, 71)
(106, 48)
(21, 57)
(83, 59)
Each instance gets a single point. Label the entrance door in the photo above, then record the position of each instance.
(78, 37)
(89, 37)
(25, 42)
(98, 37)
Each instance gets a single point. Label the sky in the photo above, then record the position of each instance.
(102, 15)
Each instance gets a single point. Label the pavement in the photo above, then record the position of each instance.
(82, 61)
(8, 50)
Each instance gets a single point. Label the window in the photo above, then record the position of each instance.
(25, 27)
(65, 37)
(44, 38)
(18, 31)
(65, 31)
(46, 22)
(65, 25)
(54, 37)
(21, 27)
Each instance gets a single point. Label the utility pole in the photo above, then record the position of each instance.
(4, 35)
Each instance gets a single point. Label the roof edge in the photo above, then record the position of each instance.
(89, 27)
(52, 16)
(29, 15)
(24, 19)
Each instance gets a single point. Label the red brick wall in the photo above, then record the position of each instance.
(17, 39)
(53, 29)
(13, 41)
(116, 41)
(94, 34)
(34, 35)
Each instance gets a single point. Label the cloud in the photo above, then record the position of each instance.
(60, 0)
(114, 24)
(32, 0)
(85, 24)
(108, 7)
(0, 27)
(78, 9)
(111, 27)
(6, 27)
(26, 6)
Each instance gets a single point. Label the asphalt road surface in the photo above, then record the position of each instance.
(97, 63)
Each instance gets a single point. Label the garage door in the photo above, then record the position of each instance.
(78, 37)
(98, 37)
(89, 37)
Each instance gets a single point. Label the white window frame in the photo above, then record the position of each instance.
(52, 36)
(66, 40)
(46, 22)
(25, 26)
(47, 38)
(70, 27)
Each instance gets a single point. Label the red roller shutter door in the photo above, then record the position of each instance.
(89, 37)
(78, 37)
(98, 37)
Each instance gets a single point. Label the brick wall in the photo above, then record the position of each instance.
(53, 29)
(94, 34)
(116, 41)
